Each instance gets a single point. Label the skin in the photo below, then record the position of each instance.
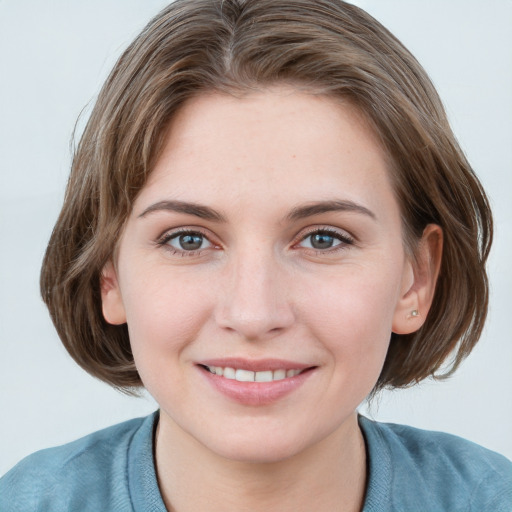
(258, 289)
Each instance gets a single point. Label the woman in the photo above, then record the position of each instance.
(268, 219)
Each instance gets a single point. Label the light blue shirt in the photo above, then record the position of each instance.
(409, 470)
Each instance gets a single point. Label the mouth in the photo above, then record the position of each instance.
(255, 382)
(242, 375)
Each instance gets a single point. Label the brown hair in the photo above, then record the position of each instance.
(327, 47)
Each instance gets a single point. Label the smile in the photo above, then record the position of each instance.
(255, 383)
(249, 376)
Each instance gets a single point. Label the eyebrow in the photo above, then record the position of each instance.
(299, 212)
(203, 212)
(316, 208)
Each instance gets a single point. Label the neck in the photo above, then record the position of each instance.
(329, 476)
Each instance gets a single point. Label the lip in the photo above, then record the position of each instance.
(255, 393)
(256, 365)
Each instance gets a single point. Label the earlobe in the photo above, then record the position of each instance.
(111, 299)
(421, 277)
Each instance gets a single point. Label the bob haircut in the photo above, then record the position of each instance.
(326, 47)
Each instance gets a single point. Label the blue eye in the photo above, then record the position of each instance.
(190, 241)
(324, 240)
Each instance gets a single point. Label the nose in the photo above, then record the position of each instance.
(256, 302)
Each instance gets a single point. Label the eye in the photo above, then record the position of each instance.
(325, 239)
(187, 241)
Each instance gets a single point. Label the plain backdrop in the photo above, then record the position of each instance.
(54, 56)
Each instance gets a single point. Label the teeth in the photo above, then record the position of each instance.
(279, 374)
(248, 376)
(229, 373)
(244, 376)
(263, 376)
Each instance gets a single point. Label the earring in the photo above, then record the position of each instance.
(415, 312)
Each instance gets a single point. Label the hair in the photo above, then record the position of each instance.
(326, 47)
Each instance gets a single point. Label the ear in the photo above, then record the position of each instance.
(419, 282)
(111, 300)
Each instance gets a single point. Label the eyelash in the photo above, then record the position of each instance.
(344, 239)
(163, 241)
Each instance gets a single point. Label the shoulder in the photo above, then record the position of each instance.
(429, 470)
(75, 476)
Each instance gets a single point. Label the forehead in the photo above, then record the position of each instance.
(279, 144)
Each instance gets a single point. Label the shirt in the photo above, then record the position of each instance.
(409, 470)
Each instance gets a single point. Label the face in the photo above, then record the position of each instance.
(262, 272)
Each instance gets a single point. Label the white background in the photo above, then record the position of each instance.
(54, 55)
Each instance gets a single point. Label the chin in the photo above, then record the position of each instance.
(262, 446)
(249, 452)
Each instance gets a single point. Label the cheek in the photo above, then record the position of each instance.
(352, 317)
(164, 314)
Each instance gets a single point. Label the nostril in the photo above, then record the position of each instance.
(254, 320)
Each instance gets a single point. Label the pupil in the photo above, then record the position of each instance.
(191, 242)
(322, 241)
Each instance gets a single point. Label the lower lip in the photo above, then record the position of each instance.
(256, 393)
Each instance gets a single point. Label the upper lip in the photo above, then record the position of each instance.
(255, 365)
